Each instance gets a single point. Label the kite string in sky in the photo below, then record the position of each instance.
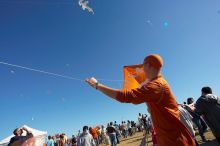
(82, 3)
(53, 74)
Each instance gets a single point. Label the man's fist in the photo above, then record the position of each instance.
(92, 82)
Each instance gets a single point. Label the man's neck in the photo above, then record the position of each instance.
(153, 76)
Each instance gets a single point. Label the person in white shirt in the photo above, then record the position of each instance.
(86, 138)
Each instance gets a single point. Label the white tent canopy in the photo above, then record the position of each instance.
(35, 132)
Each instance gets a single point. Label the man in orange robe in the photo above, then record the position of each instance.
(160, 100)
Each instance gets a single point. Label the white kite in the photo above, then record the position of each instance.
(84, 5)
(12, 72)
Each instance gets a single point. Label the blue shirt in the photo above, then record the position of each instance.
(50, 142)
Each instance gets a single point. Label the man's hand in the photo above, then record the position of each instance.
(25, 129)
(92, 82)
(104, 89)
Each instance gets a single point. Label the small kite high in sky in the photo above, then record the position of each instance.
(84, 5)
(12, 72)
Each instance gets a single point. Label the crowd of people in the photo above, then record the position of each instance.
(109, 135)
(194, 115)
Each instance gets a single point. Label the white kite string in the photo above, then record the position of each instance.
(53, 74)
(34, 2)
(40, 71)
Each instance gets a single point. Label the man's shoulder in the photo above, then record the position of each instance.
(201, 100)
(13, 139)
(83, 135)
(152, 85)
(156, 83)
(18, 137)
(87, 136)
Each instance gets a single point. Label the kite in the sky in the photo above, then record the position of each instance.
(149, 22)
(12, 72)
(84, 5)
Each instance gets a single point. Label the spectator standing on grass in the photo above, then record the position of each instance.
(112, 134)
(208, 105)
(50, 141)
(85, 139)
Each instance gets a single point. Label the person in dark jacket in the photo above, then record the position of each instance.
(208, 105)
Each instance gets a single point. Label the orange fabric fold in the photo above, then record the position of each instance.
(133, 76)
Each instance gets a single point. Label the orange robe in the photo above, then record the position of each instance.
(94, 133)
(164, 111)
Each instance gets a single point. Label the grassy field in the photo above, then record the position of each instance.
(139, 140)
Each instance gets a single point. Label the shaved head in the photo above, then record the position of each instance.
(154, 60)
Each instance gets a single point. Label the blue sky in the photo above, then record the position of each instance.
(57, 36)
